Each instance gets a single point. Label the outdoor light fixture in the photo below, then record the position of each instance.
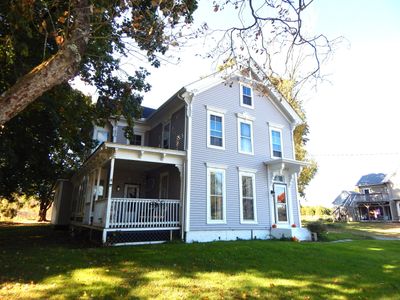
(118, 188)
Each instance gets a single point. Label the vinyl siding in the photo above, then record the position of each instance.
(227, 97)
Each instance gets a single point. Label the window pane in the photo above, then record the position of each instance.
(102, 136)
(248, 209)
(247, 186)
(245, 130)
(216, 208)
(282, 214)
(247, 198)
(245, 137)
(276, 143)
(246, 94)
(137, 140)
(216, 130)
(216, 195)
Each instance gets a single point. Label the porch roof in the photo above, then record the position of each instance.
(107, 151)
(285, 164)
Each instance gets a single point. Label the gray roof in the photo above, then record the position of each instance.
(344, 198)
(147, 111)
(372, 179)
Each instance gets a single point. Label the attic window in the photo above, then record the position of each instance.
(246, 96)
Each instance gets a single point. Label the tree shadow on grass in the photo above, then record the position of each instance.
(41, 263)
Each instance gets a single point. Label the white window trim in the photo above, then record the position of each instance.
(287, 205)
(270, 141)
(209, 220)
(162, 175)
(241, 96)
(101, 130)
(240, 120)
(253, 176)
(214, 112)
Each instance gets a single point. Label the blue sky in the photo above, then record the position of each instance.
(353, 117)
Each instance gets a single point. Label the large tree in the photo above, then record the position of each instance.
(83, 37)
(48, 140)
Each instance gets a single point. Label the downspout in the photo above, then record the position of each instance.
(293, 127)
(188, 98)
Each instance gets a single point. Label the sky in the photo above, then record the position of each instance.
(354, 116)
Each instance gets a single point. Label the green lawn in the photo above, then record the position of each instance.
(39, 263)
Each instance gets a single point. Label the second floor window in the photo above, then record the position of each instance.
(245, 137)
(136, 140)
(102, 136)
(276, 143)
(246, 96)
(166, 134)
(215, 129)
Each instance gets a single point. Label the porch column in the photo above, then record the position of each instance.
(108, 211)
(181, 169)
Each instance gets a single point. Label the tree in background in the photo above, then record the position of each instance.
(45, 142)
(286, 88)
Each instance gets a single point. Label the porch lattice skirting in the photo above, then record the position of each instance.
(138, 214)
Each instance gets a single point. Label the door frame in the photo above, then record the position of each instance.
(129, 185)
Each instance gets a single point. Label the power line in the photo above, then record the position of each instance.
(354, 154)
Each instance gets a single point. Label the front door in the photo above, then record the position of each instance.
(131, 191)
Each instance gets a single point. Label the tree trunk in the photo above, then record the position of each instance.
(57, 69)
(43, 208)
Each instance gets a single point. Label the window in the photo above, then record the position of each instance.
(166, 131)
(246, 97)
(280, 200)
(245, 139)
(136, 140)
(102, 136)
(163, 186)
(216, 195)
(247, 197)
(215, 129)
(276, 143)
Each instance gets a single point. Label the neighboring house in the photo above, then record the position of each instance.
(378, 199)
(215, 162)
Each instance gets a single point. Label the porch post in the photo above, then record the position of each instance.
(108, 211)
(181, 169)
(92, 183)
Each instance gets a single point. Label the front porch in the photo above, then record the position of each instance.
(131, 194)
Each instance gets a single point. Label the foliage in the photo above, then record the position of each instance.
(315, 211)
(45, 142)
(285, 87)
(33, 33)
(318, 227)
(231, 270)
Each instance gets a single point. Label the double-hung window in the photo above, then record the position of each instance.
(245, 136)
(102, 136)
(276, 142)
(247, 197)
(163, 191)
(216, 196)
(280, 201)
(215, 128)
(246, 96)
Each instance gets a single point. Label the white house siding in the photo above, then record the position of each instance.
(227, 97)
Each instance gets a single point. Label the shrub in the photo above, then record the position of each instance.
(318, 227)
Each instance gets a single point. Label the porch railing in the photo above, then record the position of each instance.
(144, 213)
(372, 197)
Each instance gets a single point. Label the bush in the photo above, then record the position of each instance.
(318, 227)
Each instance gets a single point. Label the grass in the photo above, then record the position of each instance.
(40, 263)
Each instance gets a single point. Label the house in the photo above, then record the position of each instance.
(377, 199)
(215, 162)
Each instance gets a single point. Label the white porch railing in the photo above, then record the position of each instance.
(144, 213)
